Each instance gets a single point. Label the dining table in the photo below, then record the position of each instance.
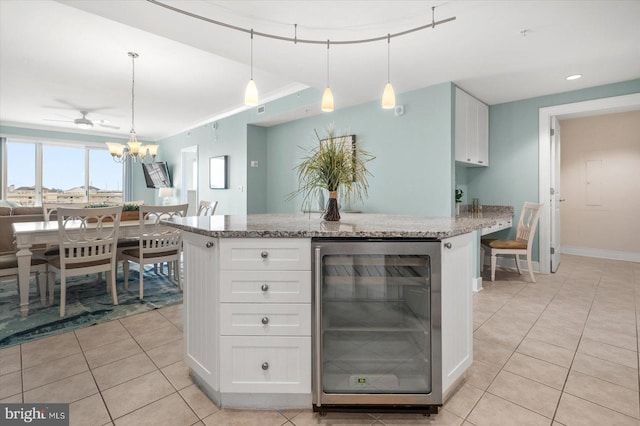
(28, 234)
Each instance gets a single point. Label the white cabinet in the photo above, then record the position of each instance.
(265, 315)
(457, 308)
(472, 130)
(200, 300)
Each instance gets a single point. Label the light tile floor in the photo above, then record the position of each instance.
(562, 351)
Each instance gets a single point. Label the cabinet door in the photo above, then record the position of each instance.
(200, 306)
(483, 135)
(472, 130)
(258, 364)
(457, 307)
(461, 125)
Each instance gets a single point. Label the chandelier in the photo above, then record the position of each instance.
(251, 92)
(133, 150)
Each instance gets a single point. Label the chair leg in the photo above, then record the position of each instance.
(141, 281)
(63, 293)
(125, 269)
(169, 269)
(176, 269)
(155, 268)
(51, 280)
(518, 263)
(530, 266)
(42, 288)
(111, 278)
(493, 267)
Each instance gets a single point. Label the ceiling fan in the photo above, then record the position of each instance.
(85, 123)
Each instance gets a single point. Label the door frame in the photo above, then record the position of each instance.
(184, 155)
(573, 110)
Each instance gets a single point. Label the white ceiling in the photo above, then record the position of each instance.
(58, 58)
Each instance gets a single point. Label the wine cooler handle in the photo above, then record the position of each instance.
(318, 328)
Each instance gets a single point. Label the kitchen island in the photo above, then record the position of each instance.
(252, 287)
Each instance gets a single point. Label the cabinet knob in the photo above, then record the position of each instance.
(264, 287)
(447, 245)
(265, 320)
(264, 254)
(468, 159)
(209, 244)
(480, 161)
(265, 366)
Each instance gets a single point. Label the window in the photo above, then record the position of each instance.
(63, 174)
(105, 177)
(53, 172)
(21, 173)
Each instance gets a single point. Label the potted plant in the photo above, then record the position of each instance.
(129, 211)
(336, 167)
(459, 194)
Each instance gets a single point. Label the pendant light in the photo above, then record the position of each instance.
(388, 96)
(251, 92)
(327, 96)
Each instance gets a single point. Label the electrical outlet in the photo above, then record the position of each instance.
(254, 163)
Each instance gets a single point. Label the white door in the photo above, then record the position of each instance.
(189, 189)
(555, 196)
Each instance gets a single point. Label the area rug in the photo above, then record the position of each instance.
(88, 303)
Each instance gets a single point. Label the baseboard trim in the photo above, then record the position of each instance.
(477, 284)
(603, 254)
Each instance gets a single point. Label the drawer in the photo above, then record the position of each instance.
(265, 364)
(265, 254)
(265, 319)
(265, 286)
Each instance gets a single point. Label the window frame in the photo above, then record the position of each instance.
(39, 158)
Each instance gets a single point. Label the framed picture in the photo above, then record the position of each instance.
(218, 172)
(349, 143)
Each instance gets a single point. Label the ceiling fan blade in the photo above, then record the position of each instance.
(109, 126)
(63, 121)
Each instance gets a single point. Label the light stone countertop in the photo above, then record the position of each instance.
(351, 225)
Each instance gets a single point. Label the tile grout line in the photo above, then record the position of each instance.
(514, 351)
(595, 293)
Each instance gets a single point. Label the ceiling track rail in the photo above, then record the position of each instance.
(295, 39)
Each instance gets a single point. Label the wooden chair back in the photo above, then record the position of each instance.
(207, 208)
(528, 222)
(159, 238)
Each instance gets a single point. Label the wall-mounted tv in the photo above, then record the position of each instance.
(156, 175)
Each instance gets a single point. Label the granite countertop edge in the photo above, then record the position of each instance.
(350, 225)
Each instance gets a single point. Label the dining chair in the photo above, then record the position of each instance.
(206, 208)
(9, 259)
(158, 243)
(523, 242)
(87, 246)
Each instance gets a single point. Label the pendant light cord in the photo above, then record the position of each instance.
(328, 63)
(133, 83)
(251, 53)
(388, 58)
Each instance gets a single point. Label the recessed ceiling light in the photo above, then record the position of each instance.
(574, 77)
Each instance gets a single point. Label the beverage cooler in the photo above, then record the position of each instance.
(377, 331)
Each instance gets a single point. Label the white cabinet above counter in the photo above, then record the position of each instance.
(472, 130)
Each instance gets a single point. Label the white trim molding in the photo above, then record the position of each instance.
(603, 254)
(597, 106)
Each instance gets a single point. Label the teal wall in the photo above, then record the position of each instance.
(257, 176)
(413, 169)
(232, 138)
(512, 176)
